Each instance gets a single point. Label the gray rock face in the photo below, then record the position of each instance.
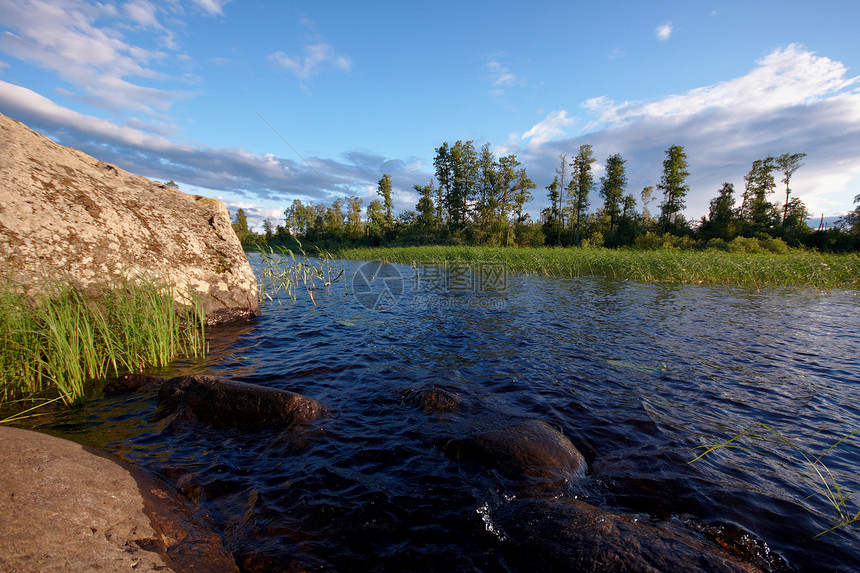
(223, 403)
(66, 215)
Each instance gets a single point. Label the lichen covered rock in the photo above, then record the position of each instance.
(67, 216)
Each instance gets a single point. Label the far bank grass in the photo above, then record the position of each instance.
(52, 345)
(710, 266)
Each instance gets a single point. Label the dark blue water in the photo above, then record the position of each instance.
(636, 375)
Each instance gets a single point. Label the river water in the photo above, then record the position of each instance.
(636, 375)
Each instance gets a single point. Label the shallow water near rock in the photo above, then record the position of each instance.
(635, 375)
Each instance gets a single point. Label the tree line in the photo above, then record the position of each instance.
(478, 198)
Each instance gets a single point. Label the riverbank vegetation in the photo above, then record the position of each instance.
(479, 199)
(51, 345)
(746, 263)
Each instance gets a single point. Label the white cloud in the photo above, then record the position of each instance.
(315, 57)
(552, 126)
(792, 101)
(83, 44)
(26, 103)
(664, 31)
(143, 13)
(500, 76)
(213, 7)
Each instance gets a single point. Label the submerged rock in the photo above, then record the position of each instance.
(571, 535)
(223, 403)
(65, 216)
(131, 381)
(434, 399)
(531, 449)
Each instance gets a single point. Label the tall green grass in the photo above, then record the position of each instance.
(711, 266)
(282, 270)
(61, 339)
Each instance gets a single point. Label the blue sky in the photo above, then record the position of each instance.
(258, 103)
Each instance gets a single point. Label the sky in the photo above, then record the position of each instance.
(259, 103)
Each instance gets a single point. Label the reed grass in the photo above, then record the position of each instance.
(282, 270)
(63, 338)
(823, 481)
(710, 266)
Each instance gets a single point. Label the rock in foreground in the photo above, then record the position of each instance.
(66, 509)
(223, 403)
(71, 217)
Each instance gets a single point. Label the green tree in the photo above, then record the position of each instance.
(851, 221)
(240, 225)
(268, 230)
(375, 219)
(721, 222)
(426, 211)
(384, 191)
(673, 183)
(580, 186)
(444, 174)
(759, 182)
(488, 186)
(353, 216)
(335, 220)
(552, 220)
(561, 172)
(788, 163)
(647, 196)
(612, 188)
(464, 170)
(522, 194)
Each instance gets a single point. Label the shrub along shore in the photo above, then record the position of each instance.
(52, 344)
(788, 267)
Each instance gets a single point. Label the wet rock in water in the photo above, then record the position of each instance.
(531, 449)
(571, 535)
(433, 400)
(742, 543)
(68, 217)
(130, 382)
(223, 403)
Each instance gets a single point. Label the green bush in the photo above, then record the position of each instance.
(744, 245)
(773, 245)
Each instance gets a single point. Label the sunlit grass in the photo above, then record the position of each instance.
(282, 270)
(711, 266)
(63, 338)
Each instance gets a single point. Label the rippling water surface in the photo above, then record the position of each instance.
(635, 375)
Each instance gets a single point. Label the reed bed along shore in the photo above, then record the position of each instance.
(50, 346)
(709, 266)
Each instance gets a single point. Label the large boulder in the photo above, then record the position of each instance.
(571, 535)
(529, 449)
(222, 403)
(71, 217)
(67, 509)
